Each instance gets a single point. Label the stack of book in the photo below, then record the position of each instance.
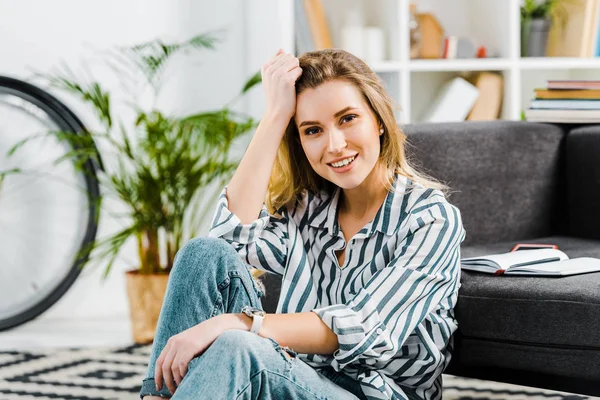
(566, 101)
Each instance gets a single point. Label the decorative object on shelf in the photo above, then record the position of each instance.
(482, 52)
(415, 34)
(459, 47)
(537, 17)
(453, 102)
(353, 39)
(161, 169)
(488, 105)
(432, 36)
(566, 101)
(317, 21)
(374, 44)
(577, 34)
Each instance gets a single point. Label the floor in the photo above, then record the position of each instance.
(56, 333)
(68, 332)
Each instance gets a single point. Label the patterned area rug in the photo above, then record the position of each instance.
(116, 373)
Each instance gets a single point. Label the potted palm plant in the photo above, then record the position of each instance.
(162, 166)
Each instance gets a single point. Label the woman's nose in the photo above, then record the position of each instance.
(337, 142)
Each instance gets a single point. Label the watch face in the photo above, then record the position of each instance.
(250, 311)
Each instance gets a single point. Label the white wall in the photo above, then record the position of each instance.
(37, 35)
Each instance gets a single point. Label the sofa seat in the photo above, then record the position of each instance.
(541, 325)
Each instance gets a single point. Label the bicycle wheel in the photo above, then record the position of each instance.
(48, 211)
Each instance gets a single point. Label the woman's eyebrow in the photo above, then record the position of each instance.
(337, 114)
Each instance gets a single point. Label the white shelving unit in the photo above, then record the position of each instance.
(413, 83)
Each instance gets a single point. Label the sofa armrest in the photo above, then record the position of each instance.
(583, 181)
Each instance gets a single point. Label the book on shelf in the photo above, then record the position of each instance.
(317, 22)
(539, 262)
(558, 104)
(563, 116)
(302, 33)
(573, 84)
(578, 35)
(488, 105)
(453, 102)
(567, 94)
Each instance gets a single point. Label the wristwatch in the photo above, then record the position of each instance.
(257, 316)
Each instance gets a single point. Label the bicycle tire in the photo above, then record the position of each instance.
(67, 121)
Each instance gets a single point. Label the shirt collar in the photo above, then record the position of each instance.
(326, 214)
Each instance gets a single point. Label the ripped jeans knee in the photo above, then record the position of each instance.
(285, 351)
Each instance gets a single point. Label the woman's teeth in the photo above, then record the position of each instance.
(343, 163)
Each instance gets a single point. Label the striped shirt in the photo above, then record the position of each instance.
(391, 305)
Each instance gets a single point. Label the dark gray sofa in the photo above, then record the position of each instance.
(519, 182)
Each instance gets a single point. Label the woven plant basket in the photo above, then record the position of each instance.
(146, 294)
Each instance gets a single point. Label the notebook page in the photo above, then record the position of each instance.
(567, 267)
(505, 260)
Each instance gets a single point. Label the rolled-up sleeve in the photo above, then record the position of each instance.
(262, 243)
(424, 270)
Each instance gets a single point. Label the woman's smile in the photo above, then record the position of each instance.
(344, 165)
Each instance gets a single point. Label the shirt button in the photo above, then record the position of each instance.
(379, 331)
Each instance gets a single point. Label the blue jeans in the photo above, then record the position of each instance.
(207, 279)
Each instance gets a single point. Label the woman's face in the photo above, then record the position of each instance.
(335, 122)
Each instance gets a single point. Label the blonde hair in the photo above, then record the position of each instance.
(292, 173)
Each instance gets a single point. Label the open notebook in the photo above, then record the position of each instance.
(550, 262)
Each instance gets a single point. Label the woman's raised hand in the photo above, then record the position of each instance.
(279, 77)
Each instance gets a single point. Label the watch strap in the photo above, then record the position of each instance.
(256, 323)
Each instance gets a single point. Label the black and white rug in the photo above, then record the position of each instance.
(116, 373)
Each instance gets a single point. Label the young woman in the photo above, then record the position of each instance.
(368, 250)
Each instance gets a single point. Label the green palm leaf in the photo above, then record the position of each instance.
(160, 165)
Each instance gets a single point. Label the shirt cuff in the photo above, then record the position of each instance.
(228, 226)
(355, 338)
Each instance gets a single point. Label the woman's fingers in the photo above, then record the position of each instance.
(176, 374)
(182, 370)
(290, 64)
(277, 56)
(170, 367)
(167, 372)
(158, 376)
(296, 72)
(278, 78)
(284, 62)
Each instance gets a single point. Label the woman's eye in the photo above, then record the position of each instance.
(346, 118)
(349, 118)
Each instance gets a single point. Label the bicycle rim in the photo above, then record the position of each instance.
(37, 286)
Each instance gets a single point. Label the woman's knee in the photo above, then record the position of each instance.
(202, 254)
(204, 247)
(237, 338)
(246, 352)
(236, 342)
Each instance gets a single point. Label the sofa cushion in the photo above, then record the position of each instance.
(540, 324)
(583, 179)
(506, 177)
